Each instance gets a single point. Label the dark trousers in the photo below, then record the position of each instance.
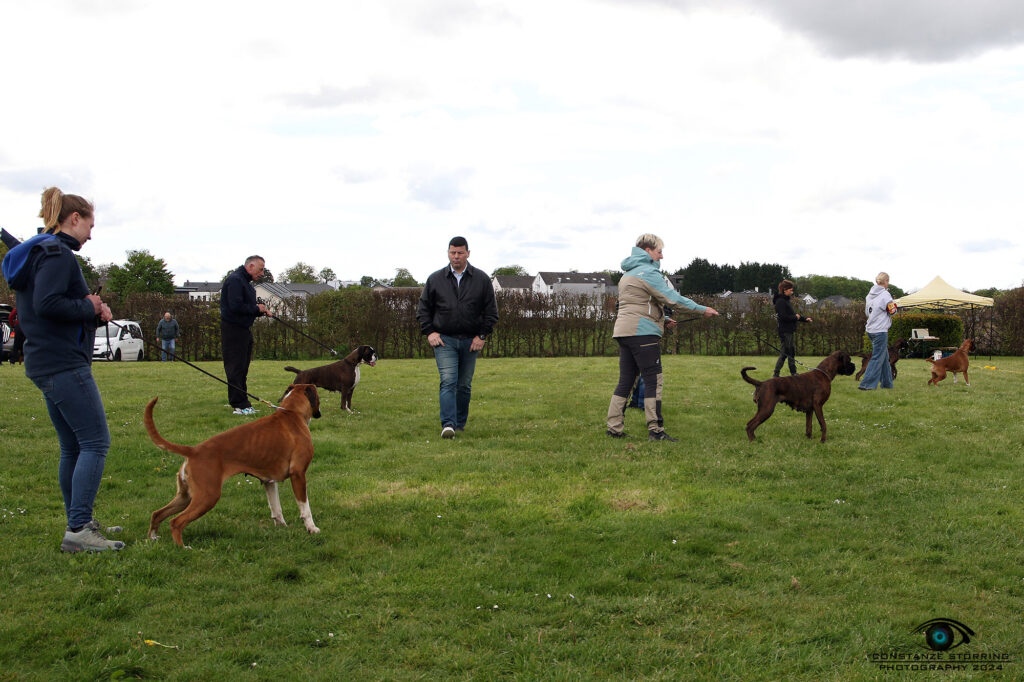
(787, 350)
(638, 356)
(236, 349)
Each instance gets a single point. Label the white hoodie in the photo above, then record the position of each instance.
(875, 308)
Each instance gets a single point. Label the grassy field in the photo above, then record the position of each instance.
(533, 546)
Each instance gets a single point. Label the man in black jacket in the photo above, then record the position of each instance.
(238, 310)
(456, 312)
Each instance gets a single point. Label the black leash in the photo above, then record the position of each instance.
(175, 357)
(299, 331)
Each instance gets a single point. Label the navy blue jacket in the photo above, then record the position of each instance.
(461, 310)
(238, 304)
(58, 322)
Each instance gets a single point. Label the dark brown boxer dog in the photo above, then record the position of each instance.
(957, 362)
(342, 375)
(894, 356)
(272, 448)
(806, 392)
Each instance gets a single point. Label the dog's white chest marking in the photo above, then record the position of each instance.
(356, 382)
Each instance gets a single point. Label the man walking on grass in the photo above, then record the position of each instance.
(456, 312)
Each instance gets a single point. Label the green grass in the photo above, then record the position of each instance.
(533, 546)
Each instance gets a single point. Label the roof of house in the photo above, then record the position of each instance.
(202, 286)
(550, 278)
(291, 290)
(515, 281)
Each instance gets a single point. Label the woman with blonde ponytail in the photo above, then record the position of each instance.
(59, 317)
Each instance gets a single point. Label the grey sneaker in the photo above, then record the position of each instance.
(661, 435)
(246, 411)
(447, 432)
(96, 525)
(88, 540)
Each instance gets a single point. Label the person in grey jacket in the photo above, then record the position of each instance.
(457, 311)
(639, 324)
(167, 333)
(879, 307)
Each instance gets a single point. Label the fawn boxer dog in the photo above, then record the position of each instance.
(957, 362)
(894, 356)
(342, 375)
(806, 392)
(272, 448)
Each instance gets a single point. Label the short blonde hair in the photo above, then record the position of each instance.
(882, 278)
(649, 241)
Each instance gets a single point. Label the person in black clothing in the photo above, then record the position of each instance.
(59, 317)
(238, 310)
(456, 312)
(787, 326)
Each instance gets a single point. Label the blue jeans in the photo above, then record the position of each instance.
(878, 369)
(455, 364)
(167, 345)
(76, 410)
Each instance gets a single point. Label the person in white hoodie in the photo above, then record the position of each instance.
(879, 307)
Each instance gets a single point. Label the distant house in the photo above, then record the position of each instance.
(836, 301)
(521, 283)
(273, 293)
(199, 291)
(586, 283)
(745, 300)
(808, 299)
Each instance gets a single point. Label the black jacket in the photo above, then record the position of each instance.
(460, 310)
(238, 304)
(787, 318)
(58, 322)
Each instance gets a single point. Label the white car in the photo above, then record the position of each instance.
(123, 343)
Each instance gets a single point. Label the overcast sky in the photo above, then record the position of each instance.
(838, 138)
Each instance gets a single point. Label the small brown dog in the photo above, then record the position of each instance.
(957, 362)
(272, 448)
(806, 392)
(894, 356)
(342, 375)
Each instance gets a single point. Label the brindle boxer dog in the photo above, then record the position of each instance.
(894, 356)
(342, 375)
(957, 362)
(272, 448)
(806, 392)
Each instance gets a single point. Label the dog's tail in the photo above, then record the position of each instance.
(750, 380)
(291, 369)
(154, 435)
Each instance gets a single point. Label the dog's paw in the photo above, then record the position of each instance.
(279, 522)
(313, 530)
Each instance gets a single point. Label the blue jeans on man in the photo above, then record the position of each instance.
(455, 364)
(167, 345)
(878, 370)
(76, 410)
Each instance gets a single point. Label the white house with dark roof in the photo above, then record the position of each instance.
(584, 283)
(274, 293)
(202, 291)
(521, 283)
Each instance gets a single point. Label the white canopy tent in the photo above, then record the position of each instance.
(938, 295)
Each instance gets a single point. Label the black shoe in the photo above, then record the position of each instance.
(621, 434)
(661, 435)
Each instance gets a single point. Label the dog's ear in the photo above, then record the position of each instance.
(286, 392)
(314, 400)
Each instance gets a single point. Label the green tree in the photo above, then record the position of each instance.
(300, 273)
(142, 272)
(327, 275)
(614, 275)
(366, 281)
(91, 274)
(404, 278)
(518, 270)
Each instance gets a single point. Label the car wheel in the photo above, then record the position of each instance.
(140, 356)
(117, 355)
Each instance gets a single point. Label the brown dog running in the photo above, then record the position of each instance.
(342, 375)
(894, 356)
(272, 448)
(806, 392)
(957, 362)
